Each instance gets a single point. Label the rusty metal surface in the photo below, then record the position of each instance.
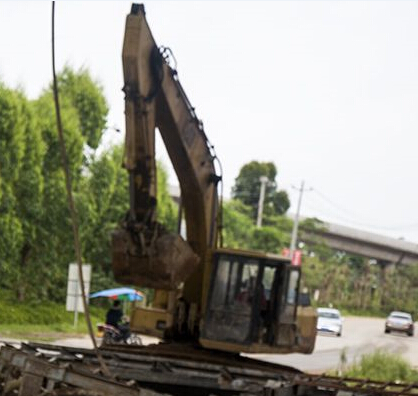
(35, 369)
(197, 354)
(156, 372)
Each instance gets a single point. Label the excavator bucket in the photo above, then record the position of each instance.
(164, 264)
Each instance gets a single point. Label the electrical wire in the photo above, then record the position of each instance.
(329, 201)
(251, 193)
(71, 205)
(350, 213)
(355, 222)
(390, 228)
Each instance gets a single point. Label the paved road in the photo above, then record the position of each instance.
(360, 336)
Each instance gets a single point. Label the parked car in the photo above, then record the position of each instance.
(400, 321)
(329, 321)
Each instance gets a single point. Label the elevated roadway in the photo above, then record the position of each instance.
(363, 243)
(384, 249)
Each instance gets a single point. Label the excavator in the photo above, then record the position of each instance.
(223, 299)
(210, 303)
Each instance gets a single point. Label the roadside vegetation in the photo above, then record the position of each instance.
(359, 286)
(382, 366)
(45, 320)
(36, 243)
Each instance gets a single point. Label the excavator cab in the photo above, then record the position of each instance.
(252, 303)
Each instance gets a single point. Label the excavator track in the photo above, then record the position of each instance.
(29, 369)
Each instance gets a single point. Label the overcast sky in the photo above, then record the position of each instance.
(328, 91)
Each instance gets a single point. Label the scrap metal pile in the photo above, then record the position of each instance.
(31, 369)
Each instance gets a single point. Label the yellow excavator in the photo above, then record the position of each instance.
(224, 299)
(210, 303)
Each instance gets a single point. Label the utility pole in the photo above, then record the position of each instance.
(263, 180)
(296, 222)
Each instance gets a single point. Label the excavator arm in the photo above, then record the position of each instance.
(144, 253)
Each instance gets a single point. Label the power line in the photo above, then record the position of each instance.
(328, 200)
(359, 223)
(352, 216)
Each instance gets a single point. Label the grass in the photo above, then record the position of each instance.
(42, 321)
(37, 332)
(377, 313)
(383, 366)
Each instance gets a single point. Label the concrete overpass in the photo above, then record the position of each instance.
(363, 243)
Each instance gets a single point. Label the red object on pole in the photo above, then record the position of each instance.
(296, 257)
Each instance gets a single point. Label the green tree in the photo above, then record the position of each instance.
(247, 189)
(102, 203)
(83, 125)
(15, 134)
(86, 97)
(37, 244)
(167, 211)
(267, 239)
(237, 225)
(29, 191)
(240, 232)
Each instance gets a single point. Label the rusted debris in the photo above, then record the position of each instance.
(36, 374)
(35, 369)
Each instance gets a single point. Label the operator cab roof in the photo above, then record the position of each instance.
(253, 254)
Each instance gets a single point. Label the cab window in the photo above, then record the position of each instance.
(292, 287)
(229, 316)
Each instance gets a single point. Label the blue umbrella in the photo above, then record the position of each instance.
(120, 293)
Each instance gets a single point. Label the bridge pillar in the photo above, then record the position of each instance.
(386, 268)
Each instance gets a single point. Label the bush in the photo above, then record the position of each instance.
(383, 366)
(51, 314)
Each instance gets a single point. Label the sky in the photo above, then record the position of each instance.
(326, 90)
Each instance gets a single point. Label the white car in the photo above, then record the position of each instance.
(400, 321)
(329, 321)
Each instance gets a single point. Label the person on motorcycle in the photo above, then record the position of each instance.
(114, 318)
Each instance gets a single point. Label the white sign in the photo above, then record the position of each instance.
(74, 300)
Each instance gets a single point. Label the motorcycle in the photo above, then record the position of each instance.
(112, 336)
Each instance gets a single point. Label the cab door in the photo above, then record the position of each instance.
(233, 292)
(286, 310)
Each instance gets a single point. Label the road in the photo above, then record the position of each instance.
(360, 336)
